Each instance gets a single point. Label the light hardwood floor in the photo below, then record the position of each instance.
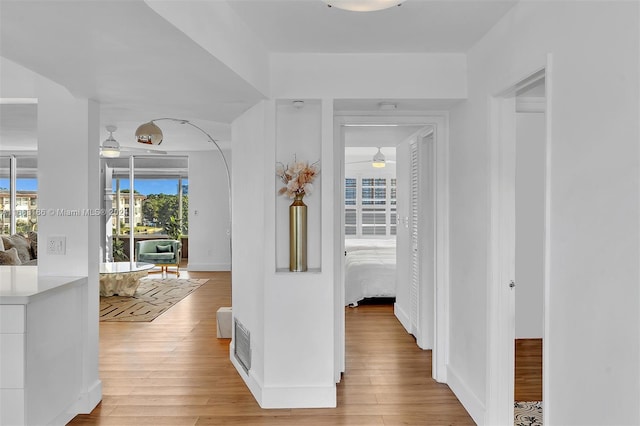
(174, 371)
(528, 376)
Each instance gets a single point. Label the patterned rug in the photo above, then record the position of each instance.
(528, 413)
(153, 297)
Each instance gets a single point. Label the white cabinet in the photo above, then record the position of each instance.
(12, 344)
(41, 341)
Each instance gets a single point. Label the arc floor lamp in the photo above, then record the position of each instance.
(150, 134)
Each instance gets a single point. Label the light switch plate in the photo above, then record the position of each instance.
(57, 244)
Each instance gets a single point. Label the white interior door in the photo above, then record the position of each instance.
(414, 289)
(427, 241)
(501, 309)
(404, 252)
(416, 239)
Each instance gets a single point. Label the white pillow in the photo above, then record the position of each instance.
(1, 245)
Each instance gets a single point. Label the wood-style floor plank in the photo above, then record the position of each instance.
(528, 377)
(175, 371)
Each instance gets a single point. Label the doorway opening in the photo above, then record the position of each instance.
(529, 250)
(519, 250)
(434, 302)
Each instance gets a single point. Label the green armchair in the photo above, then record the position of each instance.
(162, 253)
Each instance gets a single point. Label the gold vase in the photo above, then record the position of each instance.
(298, 235)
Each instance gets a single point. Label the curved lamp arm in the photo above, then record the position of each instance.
(224, 159)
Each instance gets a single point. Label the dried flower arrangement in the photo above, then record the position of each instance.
(297, 177)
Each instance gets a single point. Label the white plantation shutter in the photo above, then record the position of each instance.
(374, 201)
(351, 207)
(370, 206)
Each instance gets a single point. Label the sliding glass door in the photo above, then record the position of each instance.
(158, 207)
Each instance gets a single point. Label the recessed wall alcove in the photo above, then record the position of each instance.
(298, 135)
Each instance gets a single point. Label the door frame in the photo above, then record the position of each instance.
(439, 121)
(501, 265)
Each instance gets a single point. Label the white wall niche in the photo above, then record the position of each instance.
(298, 137)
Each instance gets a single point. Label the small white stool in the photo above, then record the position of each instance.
(223, 318)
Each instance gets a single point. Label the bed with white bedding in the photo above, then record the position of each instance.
(370, 269)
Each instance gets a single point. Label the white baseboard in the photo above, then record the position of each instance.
(468, 399)
(92, 398)
(252, 382)
(299, 397)
(286, 397)
(65, 417)
(85, 404)
(402, 317)
(206, 267)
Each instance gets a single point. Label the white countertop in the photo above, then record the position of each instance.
(20, 285)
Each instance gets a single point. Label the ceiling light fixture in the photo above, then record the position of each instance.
(378, 160)
(363, 5)
(110, 147)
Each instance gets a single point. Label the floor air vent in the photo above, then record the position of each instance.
(242, 345)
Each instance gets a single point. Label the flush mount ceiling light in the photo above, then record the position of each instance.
(110, 147)
(363, 5)
(149, 134)
(379, 160)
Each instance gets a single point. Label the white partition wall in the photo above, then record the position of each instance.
(248, 244)
(289, 314)
(68, 188)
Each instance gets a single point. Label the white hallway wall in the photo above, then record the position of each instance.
(594, 300)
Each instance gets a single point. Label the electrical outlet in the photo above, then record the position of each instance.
(57, 245)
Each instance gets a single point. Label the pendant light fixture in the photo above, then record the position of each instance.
(149, 134)
(379, 160)
(110, 147)
(363, 5)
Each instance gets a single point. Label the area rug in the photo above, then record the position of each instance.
(528, 413)
(152, 298)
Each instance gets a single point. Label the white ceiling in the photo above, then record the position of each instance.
(138, 66)
(415, 26)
